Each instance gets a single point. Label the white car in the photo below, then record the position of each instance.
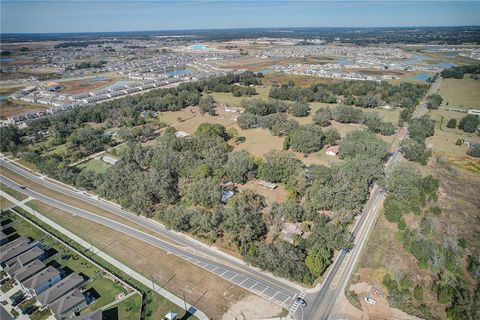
(370, 300)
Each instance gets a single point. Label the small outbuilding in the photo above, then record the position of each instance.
(332, 151)
(171, 315)
(267, 185)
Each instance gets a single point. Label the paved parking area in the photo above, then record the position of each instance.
(230, 274)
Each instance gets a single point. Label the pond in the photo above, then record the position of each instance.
(420, 77)
(7, 59)
(198, 47)
(4, 98)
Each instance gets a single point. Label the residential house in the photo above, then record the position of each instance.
(24, 259)
(61, 288)
(42, 280)
(12, 252)
(68, 304)
(29, 270)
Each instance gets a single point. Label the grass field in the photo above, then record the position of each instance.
(108, 291)
(128, 309)
(443, 142)
(94, 165)
(4, 203)
(460, 93)
(27, 230)
(212, 294)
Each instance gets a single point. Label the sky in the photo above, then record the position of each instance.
(22, 16)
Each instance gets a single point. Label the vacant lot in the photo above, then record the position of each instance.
(80, 86)
(210, 293)
(443, 143)
(460, 93)
(11, 108)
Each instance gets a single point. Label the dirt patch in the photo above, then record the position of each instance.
(80, 86)
(11, 108)
(251, 308)
(279, 194)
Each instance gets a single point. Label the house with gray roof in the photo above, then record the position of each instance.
(14, 243)
(67, 305)
(24, 259)
(95, 315)
(43, 280)
(6, 255)
(29, 270)
(61, 288)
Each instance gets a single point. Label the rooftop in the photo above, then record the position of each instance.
(64, 286)
(67, 302)
(41, 277)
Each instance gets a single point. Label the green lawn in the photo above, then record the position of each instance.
(128, 309)
(106, 289)
(460, 93)
(75, 262)
(27, 230)
(94, 165)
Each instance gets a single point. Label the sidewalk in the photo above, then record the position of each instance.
(145, 281)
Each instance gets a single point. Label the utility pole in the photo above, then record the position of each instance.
(184, 302)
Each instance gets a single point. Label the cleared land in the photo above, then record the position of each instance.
(80, 86)
(443, 143)
(460, 93)
(11, 108)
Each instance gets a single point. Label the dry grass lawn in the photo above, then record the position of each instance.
(279, 194)
(460, 93)
(4, 203)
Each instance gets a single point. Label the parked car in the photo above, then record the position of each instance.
(370, 300)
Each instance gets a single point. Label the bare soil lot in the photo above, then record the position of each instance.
(11, 108)
(80, 86)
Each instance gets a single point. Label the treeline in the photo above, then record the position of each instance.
(457, 72)
(414, 147)
(441, 251)
(366, 94)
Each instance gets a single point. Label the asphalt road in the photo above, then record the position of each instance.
(279, 291)
(323, 304)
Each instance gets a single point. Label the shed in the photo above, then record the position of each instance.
(332, 151)
(171, 315)
(268, 185)
(227, 194)
(181, 134)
